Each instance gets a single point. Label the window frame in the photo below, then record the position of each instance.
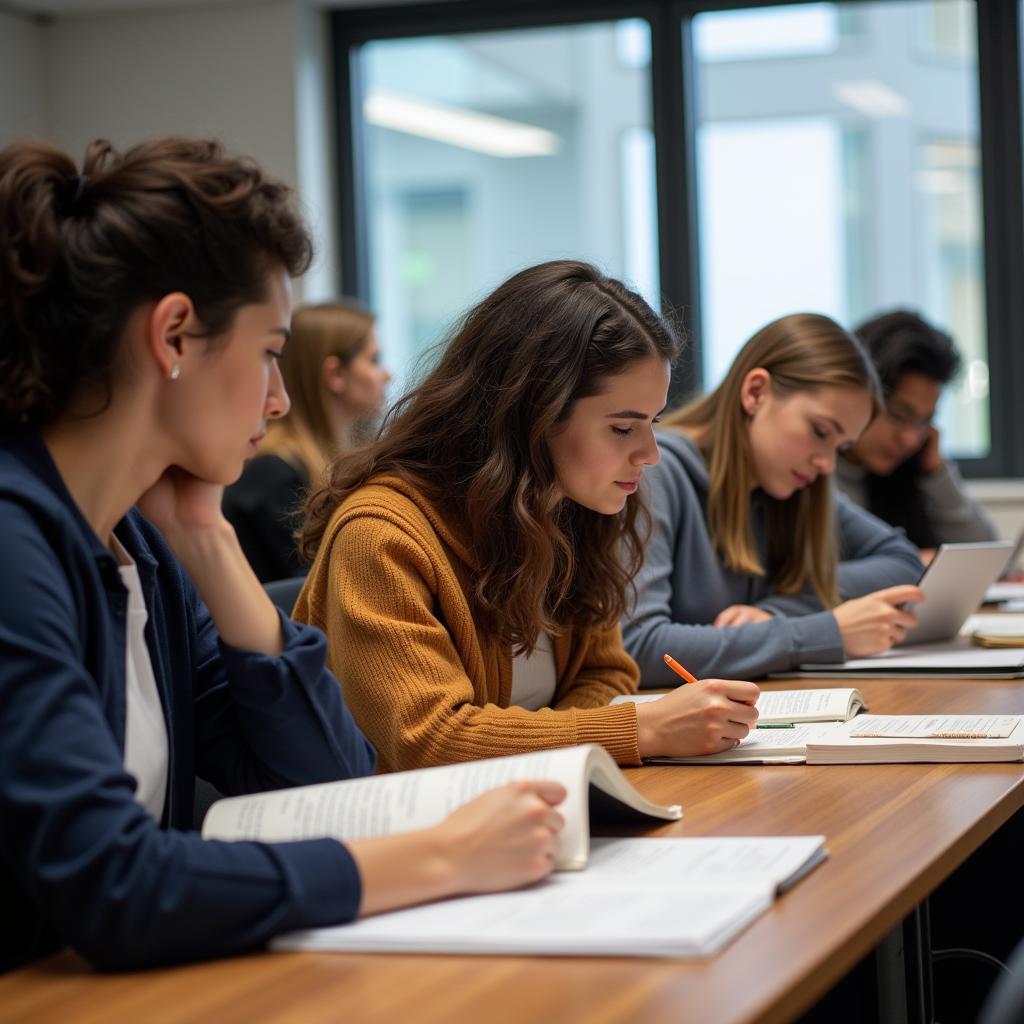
(673, 106)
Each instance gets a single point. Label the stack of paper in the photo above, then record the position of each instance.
(995, 630)
(894, 739)
(1004, 592)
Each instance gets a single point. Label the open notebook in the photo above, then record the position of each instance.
(775, 707)
(803, 710)
(677, 897)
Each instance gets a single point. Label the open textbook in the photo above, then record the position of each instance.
(385, 804)
(775, 707)
(898, 739)
(637, 897)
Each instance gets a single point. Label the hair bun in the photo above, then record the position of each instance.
(167, 215)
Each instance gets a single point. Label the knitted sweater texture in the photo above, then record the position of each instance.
(389, 588)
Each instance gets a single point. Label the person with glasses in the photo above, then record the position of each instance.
(896, 469)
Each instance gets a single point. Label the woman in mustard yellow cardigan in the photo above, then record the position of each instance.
(472, 563)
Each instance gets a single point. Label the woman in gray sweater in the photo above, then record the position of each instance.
(753, 565)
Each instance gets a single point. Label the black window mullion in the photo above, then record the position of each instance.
(999, 94)
(674, 121)
(352, 235)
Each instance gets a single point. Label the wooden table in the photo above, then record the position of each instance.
(894, 832)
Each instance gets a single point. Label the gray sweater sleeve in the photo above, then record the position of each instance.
(955, 516)
(873, 555)
(682, 587)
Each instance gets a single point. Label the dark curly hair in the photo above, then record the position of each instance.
(81, 249)
(901, 341)
(474, 436)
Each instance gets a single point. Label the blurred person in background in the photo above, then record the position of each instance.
(896, 469)
(333, 374)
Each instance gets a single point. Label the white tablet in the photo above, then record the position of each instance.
(955, 584)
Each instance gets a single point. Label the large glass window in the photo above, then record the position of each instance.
(487, 152)
(843, 179)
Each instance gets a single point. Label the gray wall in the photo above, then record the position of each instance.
(22, 90)
(250, 73)
(226, 71)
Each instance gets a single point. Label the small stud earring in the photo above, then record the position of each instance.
(175, 372)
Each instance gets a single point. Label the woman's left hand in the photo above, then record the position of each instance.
(930, 458)
(740, 615)
(186, 511)
(179, 501)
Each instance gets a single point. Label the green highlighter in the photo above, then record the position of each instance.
(777, 725)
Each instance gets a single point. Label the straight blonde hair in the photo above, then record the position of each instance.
(305, 437)
(801, 352)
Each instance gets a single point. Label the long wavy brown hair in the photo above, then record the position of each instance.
(473, 435)
(802, 352)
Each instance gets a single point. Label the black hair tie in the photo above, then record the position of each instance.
(71, 195)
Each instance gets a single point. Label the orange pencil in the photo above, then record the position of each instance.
(679, 670)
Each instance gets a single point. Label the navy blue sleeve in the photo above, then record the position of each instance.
(97, 867)
(267, 723)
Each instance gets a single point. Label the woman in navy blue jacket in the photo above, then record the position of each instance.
(144, 302)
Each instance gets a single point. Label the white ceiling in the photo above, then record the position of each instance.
(88, 6)
(59, 7)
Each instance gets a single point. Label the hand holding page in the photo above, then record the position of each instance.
(403, 801)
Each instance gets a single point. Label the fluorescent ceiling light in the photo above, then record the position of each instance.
(871, 98)
(941, 181)
(484, 133)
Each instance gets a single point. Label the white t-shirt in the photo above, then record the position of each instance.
(145, 737)
(534, 678)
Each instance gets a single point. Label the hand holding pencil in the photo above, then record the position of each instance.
(702, 717)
